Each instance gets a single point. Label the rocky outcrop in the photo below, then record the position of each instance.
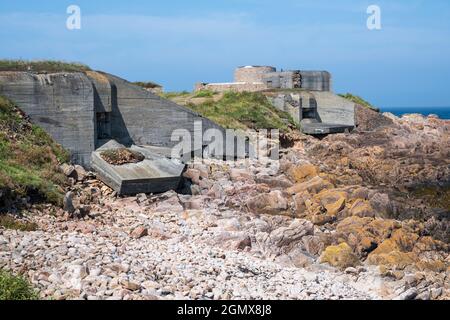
(367, 119)
(340, 256)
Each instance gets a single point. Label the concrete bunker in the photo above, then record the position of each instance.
(306, 95)
(84, 111)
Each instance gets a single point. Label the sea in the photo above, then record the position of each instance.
(442, 112)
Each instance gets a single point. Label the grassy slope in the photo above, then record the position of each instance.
(29, 158)
(42, 66)
(244, 110)
(359, 100)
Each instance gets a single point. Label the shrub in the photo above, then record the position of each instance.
(15, 288)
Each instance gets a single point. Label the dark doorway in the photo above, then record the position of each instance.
(103, 125)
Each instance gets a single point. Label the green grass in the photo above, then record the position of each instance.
(245, 110)
(29, 158)
(175, 94)
(15, 288)
(358, 100)
(204, 94)
(147, 85)
(11, 223)
(42, 66)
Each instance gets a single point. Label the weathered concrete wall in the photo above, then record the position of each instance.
(142, 118)
(61, 103)
(316, 80)
(287, 102)
(324, 106)
(283, 80)
(334, 109)
(102, 91)
(102, 106)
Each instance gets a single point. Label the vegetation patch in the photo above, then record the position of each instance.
(29, 158)
(204, 94)
(435, 196)
(147, 85)
(244, 110)
(174, 94)
(359, 100)
(121, 156)
(9, 222)
(42, 66)
(15, 288)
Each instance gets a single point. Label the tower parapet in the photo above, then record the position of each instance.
(250, 74)
(259, 78)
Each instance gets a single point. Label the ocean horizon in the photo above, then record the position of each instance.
(441, 112)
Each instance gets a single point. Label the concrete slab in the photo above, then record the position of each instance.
(155, 174)
(319, 128)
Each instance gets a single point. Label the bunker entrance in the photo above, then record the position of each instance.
(309, 109)
(103, 125)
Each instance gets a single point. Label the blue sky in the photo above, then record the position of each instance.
(178, 43)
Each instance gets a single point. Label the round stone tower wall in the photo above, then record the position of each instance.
(252, 73)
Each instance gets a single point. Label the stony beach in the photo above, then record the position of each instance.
(315, 225)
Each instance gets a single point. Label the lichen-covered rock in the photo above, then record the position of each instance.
(394, 259)
(332, 200)
(322, 219)
(364, 234)
(301, 203)
(362, 208)
(302, 172)
(405, 248)
(381, 203)
(340, 256)
(314, 185)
